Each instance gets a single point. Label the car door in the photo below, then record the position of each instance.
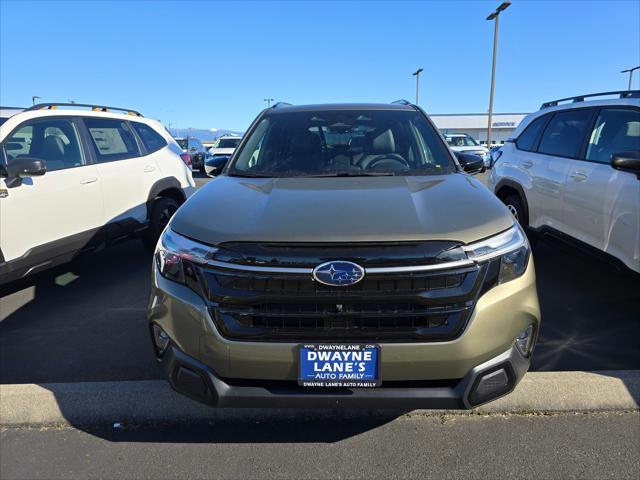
(560, 143)
(46, 216)
(526, 167)
(601, 204)
(127, 174)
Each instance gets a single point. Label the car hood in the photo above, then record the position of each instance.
(352, 209)
(221, 151)
(477, 148)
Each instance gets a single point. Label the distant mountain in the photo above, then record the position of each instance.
(202, 134)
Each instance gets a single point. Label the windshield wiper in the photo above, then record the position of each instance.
(353, 174)
(250, 175)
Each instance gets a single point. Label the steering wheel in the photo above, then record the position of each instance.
(392, 159)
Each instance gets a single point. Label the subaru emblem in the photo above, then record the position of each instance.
(338, 273)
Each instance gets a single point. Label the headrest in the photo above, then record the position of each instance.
(384, 143)
(52, 147)
(305, 142)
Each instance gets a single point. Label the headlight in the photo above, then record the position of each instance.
(510, 247)
(175, 255)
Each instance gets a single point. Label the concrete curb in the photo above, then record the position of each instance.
(131, 402)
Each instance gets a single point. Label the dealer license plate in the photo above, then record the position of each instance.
(339, 365)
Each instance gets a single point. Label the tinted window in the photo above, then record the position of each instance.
(564, 133)
(54, 140)
(343, 142)
(527, 139)
(616, 130)
(228, 143)
(151, 139)
(182, 142)
(112, 139)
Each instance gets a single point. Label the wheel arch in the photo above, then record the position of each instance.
(505, 187)
(168, 187)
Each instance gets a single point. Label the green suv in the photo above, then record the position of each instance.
(344, 258)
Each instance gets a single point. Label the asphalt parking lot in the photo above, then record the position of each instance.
(86, 322)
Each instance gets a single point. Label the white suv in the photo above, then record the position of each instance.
(72, 179)
(462, 142)
(573, 170)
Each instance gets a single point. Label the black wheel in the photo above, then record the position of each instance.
(161, 212)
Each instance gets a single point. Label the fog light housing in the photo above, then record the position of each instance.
(524, 341)
(160, 340)
(492, 384)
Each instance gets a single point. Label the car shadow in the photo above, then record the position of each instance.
(302, 427)
(590, 311)
(84, 321)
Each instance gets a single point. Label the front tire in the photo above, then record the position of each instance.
(161, 212)
(514, 205)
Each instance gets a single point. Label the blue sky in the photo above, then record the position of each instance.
(211, 64)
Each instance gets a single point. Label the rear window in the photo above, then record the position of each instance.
(184, 144)
(528, 139)
(112, 139)
(151, 139)
(343, 143)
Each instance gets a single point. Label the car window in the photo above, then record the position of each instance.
(527, 139)
(228, 143)
(461, 141)
(151, 139)
(343, 142)
(182, 142)
(616, 130)
(565, 132)
(54, 140)
(112, 139)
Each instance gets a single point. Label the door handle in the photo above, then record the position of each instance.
(527, 164)
(578, 176)
(149, 168)
(85, 180)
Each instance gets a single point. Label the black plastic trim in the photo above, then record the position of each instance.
(584, 247)
(217, 392)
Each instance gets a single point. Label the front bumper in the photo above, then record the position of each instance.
(495, 378)
(232, 373)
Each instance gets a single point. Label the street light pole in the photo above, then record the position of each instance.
(33, 99)
(494, 16)
(268, 100)
(417, 75)
(630, 72)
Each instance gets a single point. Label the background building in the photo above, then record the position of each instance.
(475, 124)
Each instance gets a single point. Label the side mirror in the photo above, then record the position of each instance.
(470, 163)
(22, 167)
(627, 161)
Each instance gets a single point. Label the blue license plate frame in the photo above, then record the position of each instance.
(314, 372)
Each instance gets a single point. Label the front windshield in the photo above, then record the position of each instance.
(228, 143)
(461, 141)
(342, 143)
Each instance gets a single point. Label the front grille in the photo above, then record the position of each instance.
(417, 306)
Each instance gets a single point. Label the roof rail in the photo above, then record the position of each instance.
(281, 104)
(580, 98)
(12, 108)
(94, 108)
(402, 101)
